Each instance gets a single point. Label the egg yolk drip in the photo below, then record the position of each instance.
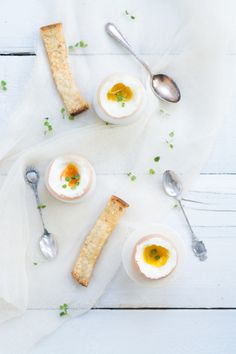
(71, 176)
(156, 256)
(120, 93)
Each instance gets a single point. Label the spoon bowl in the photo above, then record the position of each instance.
(47, 242)
(171, 184)
(165, 88)
(162, 85)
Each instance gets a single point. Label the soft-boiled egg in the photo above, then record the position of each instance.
(70, 178)
(120, 99)
(155, 256)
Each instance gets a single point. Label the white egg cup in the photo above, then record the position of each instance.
(128, 254)
(78, 199)
(129, 119)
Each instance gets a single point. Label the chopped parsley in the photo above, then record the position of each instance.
(64, 186)
(157, 257)
(35, 263)
(157, 158)
(63, 310)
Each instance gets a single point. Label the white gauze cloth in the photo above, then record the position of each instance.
(190, 44)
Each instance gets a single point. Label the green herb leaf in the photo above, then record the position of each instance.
(157, 257)
(64, 186)
(35, 263)
(41, 206)
(3, 85)
(122, 104)
(129, 15)
(82, 44)
(131, 176)
(171, 146)
(153, 252)
(119, 97)
(68, 179)
(172, 134)
(64, 310)
(63, 111)
(157, 158)
(175, 205)
(164, 113)
(48, 125)
(151, 171)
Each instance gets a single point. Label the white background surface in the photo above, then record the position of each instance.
(197, 315)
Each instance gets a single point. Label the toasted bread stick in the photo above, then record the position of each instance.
(96, 239)
(55, 45)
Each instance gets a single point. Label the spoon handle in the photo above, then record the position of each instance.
(113, 31)
(198, 246)
(35, 190)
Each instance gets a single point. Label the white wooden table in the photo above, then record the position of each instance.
(196, 316)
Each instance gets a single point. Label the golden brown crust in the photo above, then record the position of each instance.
(96, 239)
(119, 200)
(56, 48)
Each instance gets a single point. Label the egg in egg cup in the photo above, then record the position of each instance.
(120, 99)
(70, 178)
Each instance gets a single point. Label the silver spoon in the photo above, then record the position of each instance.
(173, 188)
(47, 241)
(162, 85)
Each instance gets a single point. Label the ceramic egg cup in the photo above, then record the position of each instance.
(128, 254)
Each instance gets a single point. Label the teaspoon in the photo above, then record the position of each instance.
(162, 85)
(173, 188)
(47, 241)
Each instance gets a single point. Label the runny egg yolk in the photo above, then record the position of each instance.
(71, 175)
(120, 93)
(156, 256)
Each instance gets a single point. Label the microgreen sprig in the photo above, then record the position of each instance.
(120, 98)
(47, 125)
(170, 139)
(152, 171)
(3, 85)
(64, 310)
(80, 44)
(41, 206)
(65, 115)
(132, 17)
(164, 113)
(131, 176)
(157, 159)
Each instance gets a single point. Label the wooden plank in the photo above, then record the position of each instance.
(139, 332)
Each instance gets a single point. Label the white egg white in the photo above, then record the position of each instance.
(149, 270)
(54, 181)
(115, 109)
